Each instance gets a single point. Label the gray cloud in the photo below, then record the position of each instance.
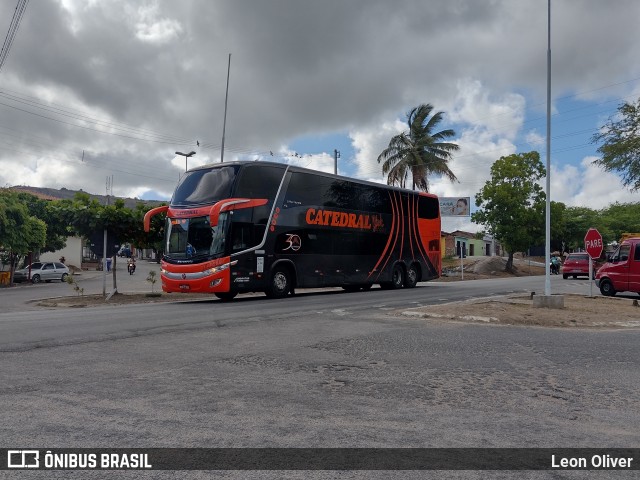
(297, 68)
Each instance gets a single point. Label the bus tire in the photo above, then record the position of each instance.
(397, 277)
(411, 280)
(226, 296)
(606, 288)
(280, 284)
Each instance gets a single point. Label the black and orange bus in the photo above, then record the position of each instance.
(267, 227)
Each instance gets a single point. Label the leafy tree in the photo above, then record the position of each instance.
(154, 239)
(20, 233)
(57, 230)
(620, 144)
(420, 152)
(558, 225)
(512, 201)
(577, 221)
(87, 216)
(619, 218)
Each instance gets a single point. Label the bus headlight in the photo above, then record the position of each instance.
(220, 268)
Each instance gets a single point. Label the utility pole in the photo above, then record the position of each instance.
(224, 123)
(108, 188)
(547, 246)
(336, 156)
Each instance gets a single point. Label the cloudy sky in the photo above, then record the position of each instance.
(97, 89)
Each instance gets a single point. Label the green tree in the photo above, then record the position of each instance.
(153, 239)
(577, 221)
(87, 217)
(512, 201)
(620, 144)
(20, 232)
(57, 230)
(420, 152)
(558, 225)
(619, 218)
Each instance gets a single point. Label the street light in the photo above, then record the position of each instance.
(186, 155)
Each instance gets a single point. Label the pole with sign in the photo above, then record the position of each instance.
(594, 246)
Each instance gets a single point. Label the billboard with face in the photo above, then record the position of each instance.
(454, 206)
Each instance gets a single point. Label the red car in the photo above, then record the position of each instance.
(578, 264)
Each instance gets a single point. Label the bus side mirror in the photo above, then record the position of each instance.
(151, 213)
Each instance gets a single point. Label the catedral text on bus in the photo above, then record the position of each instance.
(266, 227)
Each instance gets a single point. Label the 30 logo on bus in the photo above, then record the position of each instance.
(293, 242)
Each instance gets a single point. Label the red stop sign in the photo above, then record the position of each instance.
(593, 243)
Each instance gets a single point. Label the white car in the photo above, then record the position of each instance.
(40, 271)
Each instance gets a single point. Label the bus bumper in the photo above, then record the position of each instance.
(210, 279)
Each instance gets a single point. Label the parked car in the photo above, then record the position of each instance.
(621, 273)
(577, 264)
(40, 271)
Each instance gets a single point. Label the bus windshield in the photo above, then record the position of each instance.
(189, 238)
(204, 186)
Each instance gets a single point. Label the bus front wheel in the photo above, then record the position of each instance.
(226, 296)
(280, 284)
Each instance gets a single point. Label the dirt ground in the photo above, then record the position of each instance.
(489, 267)
(578, 312)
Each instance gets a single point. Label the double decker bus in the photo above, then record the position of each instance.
(267, 227)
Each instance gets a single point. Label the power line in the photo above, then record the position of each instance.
(13, 29)
(91, 165)
(80, 115)
(95, 129)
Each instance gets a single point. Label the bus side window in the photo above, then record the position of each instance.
(241, 236)
(636, 253)
(428, 207)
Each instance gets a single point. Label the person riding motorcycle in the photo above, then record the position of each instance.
(131, 265)
(555, 265)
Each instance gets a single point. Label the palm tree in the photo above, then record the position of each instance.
(419, 152)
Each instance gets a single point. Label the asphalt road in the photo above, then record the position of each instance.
(325, 369)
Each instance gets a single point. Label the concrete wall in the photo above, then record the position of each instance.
(72, 252)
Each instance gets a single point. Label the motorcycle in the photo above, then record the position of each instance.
(131, 267)
(555, 268)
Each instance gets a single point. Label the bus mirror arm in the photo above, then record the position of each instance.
(232, 204)
(151, 213)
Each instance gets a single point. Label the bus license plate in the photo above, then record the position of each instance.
(184, 287)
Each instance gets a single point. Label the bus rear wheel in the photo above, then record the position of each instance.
(226, 296)
(280, 284)
(397, 279)
(412, 277)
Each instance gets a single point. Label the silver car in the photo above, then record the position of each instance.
(40, 271)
